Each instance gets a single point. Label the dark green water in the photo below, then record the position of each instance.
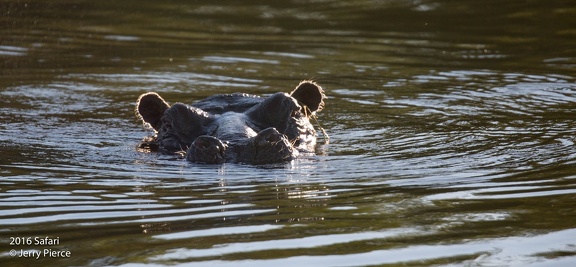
(451, 122)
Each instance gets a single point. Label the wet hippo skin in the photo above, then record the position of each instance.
(237, 128)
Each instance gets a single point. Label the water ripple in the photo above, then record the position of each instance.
(286, 244)
(518, 251)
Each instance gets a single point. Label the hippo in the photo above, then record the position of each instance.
(235, 128)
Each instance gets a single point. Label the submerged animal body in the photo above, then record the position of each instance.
(237, 128)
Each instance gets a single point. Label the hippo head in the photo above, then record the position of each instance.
(235, 127)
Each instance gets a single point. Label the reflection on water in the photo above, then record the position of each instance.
(451, 125)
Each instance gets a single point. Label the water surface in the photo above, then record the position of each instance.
(451, 133)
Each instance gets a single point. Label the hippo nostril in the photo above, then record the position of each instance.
(268, 137)
(209, 143)
(202, 144)
(272, 137)
(207, 149)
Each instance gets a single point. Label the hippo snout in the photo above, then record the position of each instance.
(207, 149)
(268, 146)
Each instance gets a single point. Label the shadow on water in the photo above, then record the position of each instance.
(451, 125)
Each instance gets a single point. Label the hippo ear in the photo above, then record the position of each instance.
(309, 94)
(150, 108)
